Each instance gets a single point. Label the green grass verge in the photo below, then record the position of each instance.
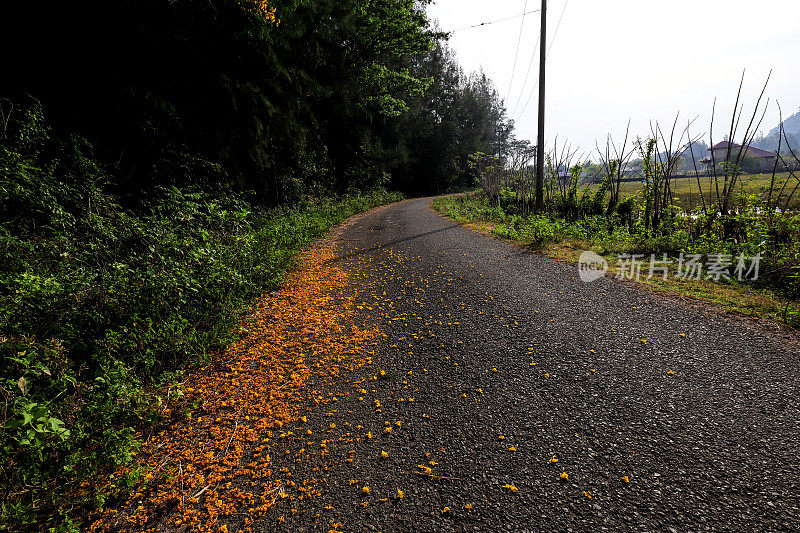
(102, 306)
(565, 242)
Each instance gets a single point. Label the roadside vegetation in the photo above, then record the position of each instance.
(103, 306)
(723, 215)
(767, 298)
(686, 191)
(160, 165)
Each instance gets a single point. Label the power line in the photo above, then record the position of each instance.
(516, 53)
(558, 25)
(547, 54)
(493, 21)
(530, 96)
(527, 75)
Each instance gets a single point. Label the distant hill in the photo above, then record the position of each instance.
(791, 128)
(790, 125)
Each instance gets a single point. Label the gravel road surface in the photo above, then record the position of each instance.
(522, 399)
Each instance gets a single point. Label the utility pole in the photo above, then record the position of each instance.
(540, 136)
(498, 169)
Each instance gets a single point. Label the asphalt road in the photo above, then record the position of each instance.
(654, 431)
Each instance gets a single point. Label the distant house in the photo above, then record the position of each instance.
(763, 159)
(631, 170)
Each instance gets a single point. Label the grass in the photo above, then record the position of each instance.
(739, 298)
(103, 305)
(687, 190)
(565, 242)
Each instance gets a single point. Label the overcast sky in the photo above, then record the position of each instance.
(640, 59)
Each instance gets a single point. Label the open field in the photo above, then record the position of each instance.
(687, 189)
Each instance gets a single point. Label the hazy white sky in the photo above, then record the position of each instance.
(640, 59)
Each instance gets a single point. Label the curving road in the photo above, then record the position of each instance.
(704, 427)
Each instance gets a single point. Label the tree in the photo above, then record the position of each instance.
(281, 96)
(458, 115)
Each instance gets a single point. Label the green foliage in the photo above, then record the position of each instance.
(131, 248)
(456, 118)
(539, 230)
(775, 237)
(339, 94)
(626, 210)
(97, 301)
(464, 208)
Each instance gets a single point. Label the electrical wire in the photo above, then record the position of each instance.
(493, 21)
(547, 54)
(527, 75)
(516, 53)
(558, 25)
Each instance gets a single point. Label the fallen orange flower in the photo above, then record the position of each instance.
(236, 405)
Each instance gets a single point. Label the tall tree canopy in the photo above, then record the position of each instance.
(278, 97)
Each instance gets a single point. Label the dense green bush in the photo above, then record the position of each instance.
(288, 96)
(541, 230)
(100, 303)
(775, 236)
(117, 267)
